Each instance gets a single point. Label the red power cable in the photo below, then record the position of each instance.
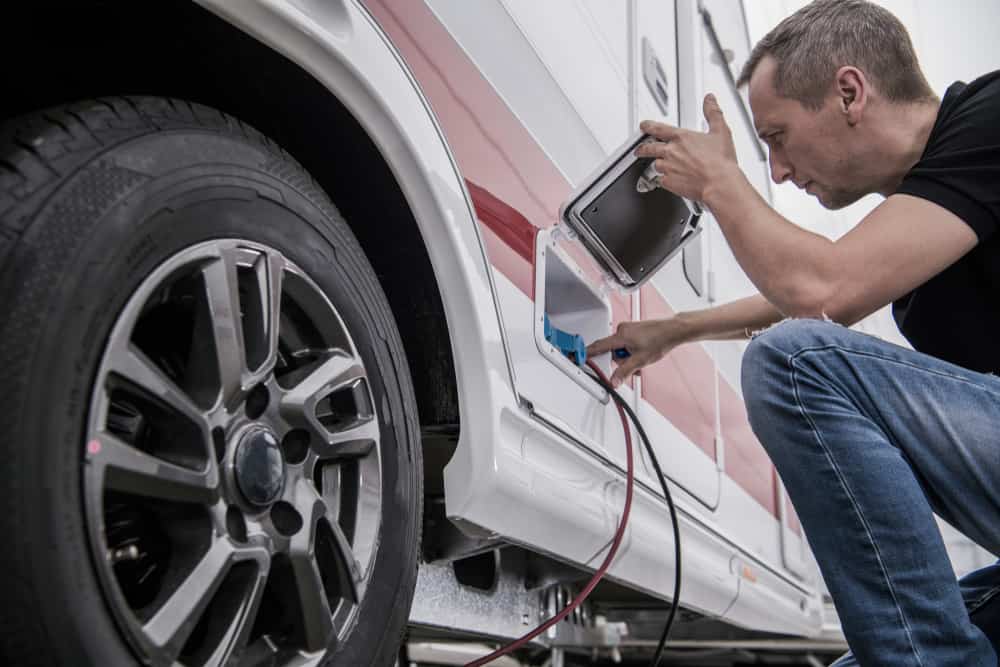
(582, 595)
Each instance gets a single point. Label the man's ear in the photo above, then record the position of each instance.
(852, 93)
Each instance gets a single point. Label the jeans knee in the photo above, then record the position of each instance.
(760, 378)
(766, 371)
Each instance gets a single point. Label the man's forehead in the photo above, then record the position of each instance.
(762, 79)
(762, 95)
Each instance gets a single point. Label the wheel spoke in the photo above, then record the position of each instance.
(316, 610)
(316, 613)
(133, 365)
(173, 622)
(222, 292)
(348, 572)
(338, 371)
(356, 441)
(261, 312)
(274, 272)
(234, 640)
(133, 471)
(317, 618)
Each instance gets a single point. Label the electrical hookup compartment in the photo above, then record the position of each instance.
(631, 227)
(569, 312)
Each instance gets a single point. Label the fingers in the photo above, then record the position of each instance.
(661, 131)
(713, 114)
(605, 345)
(664, 132)
(654, 149)
(625, 371)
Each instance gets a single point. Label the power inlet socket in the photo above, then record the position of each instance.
(572, 304)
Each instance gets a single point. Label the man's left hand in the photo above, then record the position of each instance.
(689, 162)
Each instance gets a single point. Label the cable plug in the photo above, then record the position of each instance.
(572, 345)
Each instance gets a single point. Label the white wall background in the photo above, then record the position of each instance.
(954, 41)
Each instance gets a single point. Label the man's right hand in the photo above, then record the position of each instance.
(647, 342)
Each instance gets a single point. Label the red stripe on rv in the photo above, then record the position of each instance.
(512, 227)
(793, 518)
(746, 461)
(513, 183)
(672, 385)
(510, 238)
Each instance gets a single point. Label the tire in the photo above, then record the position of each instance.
(182, 482)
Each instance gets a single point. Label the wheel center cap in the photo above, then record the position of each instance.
(259, 466)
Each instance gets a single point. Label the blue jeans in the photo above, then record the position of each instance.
(869, 439)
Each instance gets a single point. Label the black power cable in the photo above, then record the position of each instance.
(673, 514)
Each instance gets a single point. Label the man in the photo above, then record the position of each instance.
(868, 437)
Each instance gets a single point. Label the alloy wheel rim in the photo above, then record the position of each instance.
(232, 477)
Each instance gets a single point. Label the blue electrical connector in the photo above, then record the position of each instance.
(571, 345)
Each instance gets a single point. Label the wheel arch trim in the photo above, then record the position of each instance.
(339, 44)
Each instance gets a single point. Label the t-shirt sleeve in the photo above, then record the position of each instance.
(960, 168)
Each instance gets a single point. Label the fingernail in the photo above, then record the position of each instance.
(644, 125)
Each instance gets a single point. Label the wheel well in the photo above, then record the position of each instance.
(177, 49)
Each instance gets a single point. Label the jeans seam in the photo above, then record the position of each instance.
(854, 503)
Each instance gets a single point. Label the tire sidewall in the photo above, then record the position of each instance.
(174, 201)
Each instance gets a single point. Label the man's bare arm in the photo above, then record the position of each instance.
(730, 321)
(649, 341)
(897, 247)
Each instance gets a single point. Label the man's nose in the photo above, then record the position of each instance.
(780, 171)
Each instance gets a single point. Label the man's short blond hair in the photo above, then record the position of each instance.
(813, 43)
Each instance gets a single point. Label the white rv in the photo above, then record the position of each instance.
(276, 386)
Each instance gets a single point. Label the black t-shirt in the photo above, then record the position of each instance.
(955, 315)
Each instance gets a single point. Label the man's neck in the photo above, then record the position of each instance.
(905, 143)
